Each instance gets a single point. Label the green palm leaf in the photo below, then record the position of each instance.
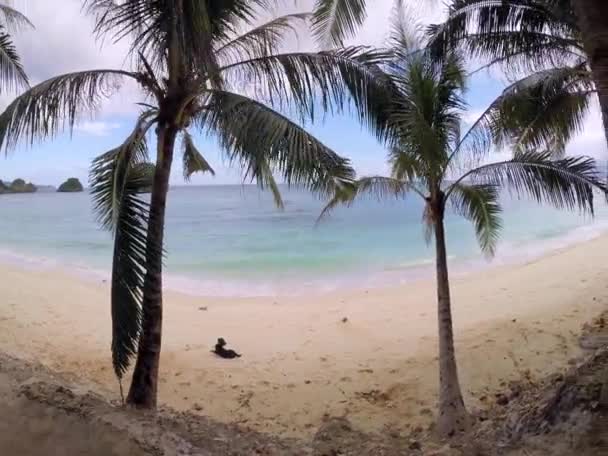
(334, 20)
(479, 204)
(547, 109)
(304, 81)
(378, 187)
(566, 183)
(262, 40)
(12, 73)
(13, 19)
(542, 111)
(193, 161)
(55, 105)
(263, 143)
(519, 34)
(117, 179)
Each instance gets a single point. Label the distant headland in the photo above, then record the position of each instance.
(70, 186)
(17, 186)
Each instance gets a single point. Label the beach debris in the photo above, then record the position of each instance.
(307, 382)
(415, 445)
(196, 406)
(204, 308)
(245, 399)
(374, 396)
(501, 399)
(222, 352)
(345, 320)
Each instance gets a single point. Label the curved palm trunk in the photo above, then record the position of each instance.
(453, 416)
(143, 389)
(592, 16)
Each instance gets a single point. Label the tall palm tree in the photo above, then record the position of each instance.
(199, 71)
(12, 73)
(430, 157)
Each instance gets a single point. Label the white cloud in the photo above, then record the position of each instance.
(96, 128)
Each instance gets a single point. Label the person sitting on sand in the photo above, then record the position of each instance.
(222, 352)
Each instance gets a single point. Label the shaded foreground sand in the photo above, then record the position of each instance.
(301, 361)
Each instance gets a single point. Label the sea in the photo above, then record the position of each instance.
(233, 241)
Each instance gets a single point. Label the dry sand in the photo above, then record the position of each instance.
(301, 361)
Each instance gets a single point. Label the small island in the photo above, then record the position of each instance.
(71, 185)
(17, 186)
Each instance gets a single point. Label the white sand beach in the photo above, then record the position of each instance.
(301, 361)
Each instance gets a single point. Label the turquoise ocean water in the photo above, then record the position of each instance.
(231, 240)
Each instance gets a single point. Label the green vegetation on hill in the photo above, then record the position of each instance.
(71, 185)
(17, 186)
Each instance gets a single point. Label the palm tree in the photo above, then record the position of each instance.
(429, 157)
(199, 71)
(12, 73)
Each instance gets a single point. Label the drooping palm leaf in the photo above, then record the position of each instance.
(12, 19)
(518, 34)
(547, 109)
(193, 161)
(335, 20)
(306, 81)
(12, 73)
(263, 142)
(479, 204)
(542, 111)
(378, 187)
(566, 183)
(117, 178)
(260, 41)
(56, 104)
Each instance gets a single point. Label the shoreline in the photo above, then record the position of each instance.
(301, 361)
(373, 279)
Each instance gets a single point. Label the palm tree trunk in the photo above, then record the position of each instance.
(453, 416)
(592, 17)
(142, 393)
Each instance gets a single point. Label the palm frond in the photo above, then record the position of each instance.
(479, 204)
(117, 179)
(14, 20)
(264, 142)
(405, 34)
(55, 105)
(567, 183)
(193, 161)
(547, 109)
(302, 82)
(405, 165)
(378, 187)
(521, 35)
(262, 40)
(335, 20)
(541, 111)
(12, 74)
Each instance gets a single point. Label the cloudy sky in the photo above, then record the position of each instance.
(63, 42)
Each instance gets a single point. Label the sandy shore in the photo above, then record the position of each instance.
(301, 361)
